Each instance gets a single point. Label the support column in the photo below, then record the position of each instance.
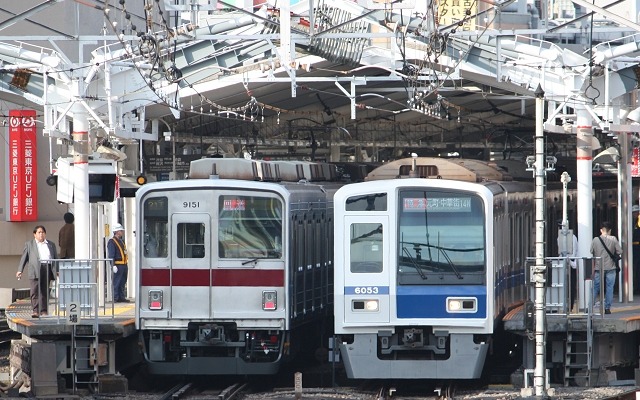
(584, 163)
(624, 217)
(80, 136)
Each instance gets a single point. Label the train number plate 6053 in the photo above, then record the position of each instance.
(366, 290)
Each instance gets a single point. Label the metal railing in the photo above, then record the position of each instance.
(561, 297)
(87, 283)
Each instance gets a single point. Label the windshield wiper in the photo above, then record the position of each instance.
(253, 260)
(451, 264)
(415, 265)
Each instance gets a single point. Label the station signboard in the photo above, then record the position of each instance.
(23, 166)
(164, 164)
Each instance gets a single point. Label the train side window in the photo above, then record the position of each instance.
(366, 248)
(191, 240)
(367, 202)
(155, 235)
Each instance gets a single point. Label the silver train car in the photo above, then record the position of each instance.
(234, 275)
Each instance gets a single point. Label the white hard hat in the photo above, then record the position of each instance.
(117, 227)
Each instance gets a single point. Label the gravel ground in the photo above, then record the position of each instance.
(489, 394)
(554, 393)
(494, 393)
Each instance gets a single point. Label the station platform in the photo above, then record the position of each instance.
(115, 320)
(582, 349)
(624, 318)
(81, 343)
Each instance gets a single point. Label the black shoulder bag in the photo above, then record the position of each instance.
(615, 258)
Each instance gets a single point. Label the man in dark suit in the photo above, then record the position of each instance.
(66, 237)
(36, 257)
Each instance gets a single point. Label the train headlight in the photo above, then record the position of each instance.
(365, 305)
(155, 299)
(454, 305)
(462, 304)
(269, 300)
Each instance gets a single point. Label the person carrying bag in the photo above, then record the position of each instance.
(600, 247)
(615, 258)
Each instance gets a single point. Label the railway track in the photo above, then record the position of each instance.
(186, 390)
(6, 334)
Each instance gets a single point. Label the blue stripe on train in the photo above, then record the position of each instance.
(430, 301)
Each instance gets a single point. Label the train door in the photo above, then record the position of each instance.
(190, 265)
(367, 269)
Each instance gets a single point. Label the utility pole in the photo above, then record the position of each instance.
(540, 268)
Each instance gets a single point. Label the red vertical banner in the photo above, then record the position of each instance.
(635, 161)
(23, 158)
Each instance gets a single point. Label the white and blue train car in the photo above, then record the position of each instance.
(423, 270)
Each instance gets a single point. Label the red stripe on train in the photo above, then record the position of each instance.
(219, 277)
(155, 277)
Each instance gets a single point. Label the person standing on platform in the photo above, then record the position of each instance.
(635, 225)
(36, 257)
(608, 249)
(66, 238)
(117, 251)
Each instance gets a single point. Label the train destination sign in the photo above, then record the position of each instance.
(439, 204)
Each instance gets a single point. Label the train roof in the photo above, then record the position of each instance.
(285, 189)
(387, 185)
(459, 169)
(261, 170)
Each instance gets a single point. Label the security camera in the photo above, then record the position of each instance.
(551, 163)
(531, 161)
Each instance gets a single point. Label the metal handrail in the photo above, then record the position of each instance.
(89, 281)
(587, 298)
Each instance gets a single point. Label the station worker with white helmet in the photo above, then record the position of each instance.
(117, 251)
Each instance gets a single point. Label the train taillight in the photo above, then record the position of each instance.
(269, 300)
(155, 299)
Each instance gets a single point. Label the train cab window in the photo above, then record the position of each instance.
(367, 202)
(190, 240)
(441, 233)
(366, 248)
(155, 234)
(250, 227)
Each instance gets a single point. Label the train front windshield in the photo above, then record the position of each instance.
(441, 238)
(250, 227)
